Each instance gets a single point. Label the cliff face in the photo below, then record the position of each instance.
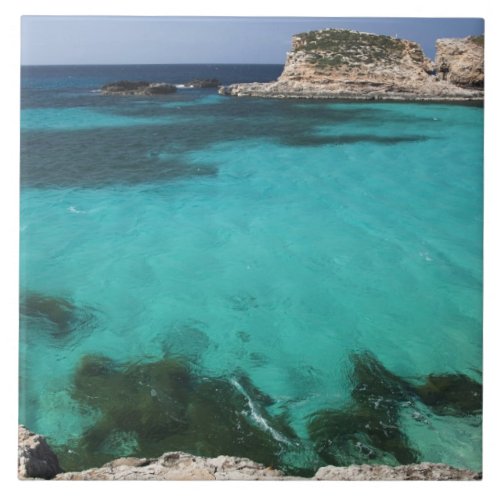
(352, 65)
(330, 56)
(37, 461)
(461, 61)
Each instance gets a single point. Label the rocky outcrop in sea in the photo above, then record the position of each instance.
(345, 64)
(36, 460)
(125, 87)
(141, 88)
(203, 84)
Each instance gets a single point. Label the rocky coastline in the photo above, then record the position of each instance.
(350, 65)
(36, 460)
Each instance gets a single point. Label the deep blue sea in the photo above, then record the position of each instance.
(299, 282)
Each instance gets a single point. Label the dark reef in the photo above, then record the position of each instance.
(147, 408)
(57, 315)
(451, 394)
(368, 430)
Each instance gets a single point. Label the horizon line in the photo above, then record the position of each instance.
(159, 64)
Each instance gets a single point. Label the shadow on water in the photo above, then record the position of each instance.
(93, 158)
(321, 140)
(368, 430)
(148, 408)
(146, 153)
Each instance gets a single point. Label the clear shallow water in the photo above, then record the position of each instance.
(270, 238)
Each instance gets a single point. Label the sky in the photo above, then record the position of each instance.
(202, 40)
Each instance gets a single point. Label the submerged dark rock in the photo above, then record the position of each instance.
(126, 87)
(144, 409)
(253, 392)
(220, 422)
(244, 336)
(369, 430)
(58, 314)
(147, 408)
(372, 380)
(360, 435)
(149, 400)
(451, 394)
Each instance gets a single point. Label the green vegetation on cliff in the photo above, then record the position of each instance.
(345, 47)
(478, 40)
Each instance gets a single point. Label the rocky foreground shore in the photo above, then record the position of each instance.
(345, 64)
(37, 461)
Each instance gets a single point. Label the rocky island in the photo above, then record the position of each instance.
(142, 88)
(345, 64)
(202, 84)
(126, 87)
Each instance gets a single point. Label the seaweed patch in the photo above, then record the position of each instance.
(148, 408)
(57, 315)
(369, 430)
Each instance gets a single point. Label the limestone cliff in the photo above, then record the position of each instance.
(37, 461)
(461, 61)
(352, 65)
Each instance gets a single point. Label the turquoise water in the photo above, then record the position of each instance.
(289, 235)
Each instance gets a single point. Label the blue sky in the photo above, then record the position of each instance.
(183, 40)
